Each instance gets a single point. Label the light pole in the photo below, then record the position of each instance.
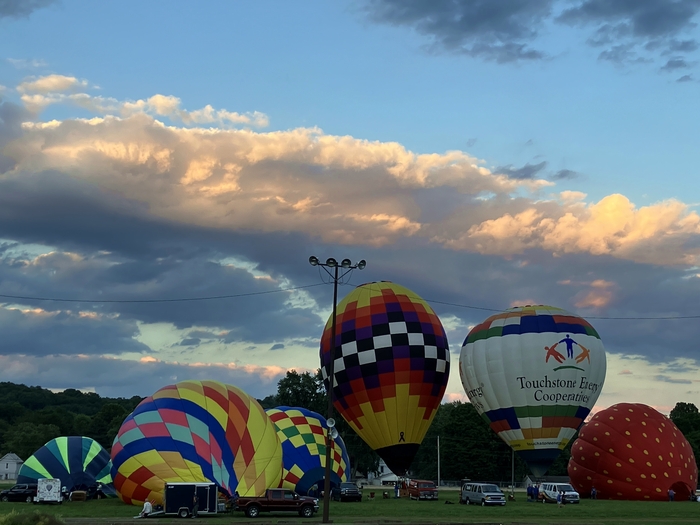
(347, 266)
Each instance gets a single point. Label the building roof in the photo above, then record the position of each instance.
(11, 456)
(550, 479)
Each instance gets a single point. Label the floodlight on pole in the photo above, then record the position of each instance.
(331, 432)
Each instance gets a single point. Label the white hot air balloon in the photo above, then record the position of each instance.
(533, 373)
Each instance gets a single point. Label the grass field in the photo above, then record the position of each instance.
(393, 511)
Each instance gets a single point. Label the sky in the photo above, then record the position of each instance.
(483, 154)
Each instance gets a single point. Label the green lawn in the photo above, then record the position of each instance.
(392, 511)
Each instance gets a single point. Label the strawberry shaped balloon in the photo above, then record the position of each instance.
(632, 452)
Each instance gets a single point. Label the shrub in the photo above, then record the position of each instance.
(30, 518)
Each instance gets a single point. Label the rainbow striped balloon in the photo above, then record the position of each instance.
(533, 373)
(303, 437)
(196, 431)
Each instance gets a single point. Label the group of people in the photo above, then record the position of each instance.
(533, 492)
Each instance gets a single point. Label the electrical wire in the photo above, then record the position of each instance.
(174, 300)
(266, 292)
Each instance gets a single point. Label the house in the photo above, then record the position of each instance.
(9, 466)
(383, 476)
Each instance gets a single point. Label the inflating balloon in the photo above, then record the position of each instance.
(303, 437)
(196, 431)
(632, 452)
(533, 373)
(391, 368)
(79, 462)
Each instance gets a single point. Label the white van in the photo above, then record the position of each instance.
(481, 494)
(549, 491)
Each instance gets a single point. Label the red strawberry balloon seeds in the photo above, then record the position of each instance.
(632, 452)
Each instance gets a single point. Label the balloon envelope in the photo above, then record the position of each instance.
(79, 462)
(196, 431)
(533, 373)
(392, 363)
(632, 452)
(303, 437)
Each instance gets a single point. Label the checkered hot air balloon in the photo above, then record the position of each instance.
(392, 363)
(533, 373)
(79, 462)
(196, 431)
(303, 437)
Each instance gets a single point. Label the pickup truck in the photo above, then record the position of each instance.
(278, 500)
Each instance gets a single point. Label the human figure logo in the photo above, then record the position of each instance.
(559, 357)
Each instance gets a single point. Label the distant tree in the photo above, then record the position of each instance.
(26, 438)
(52, 415)
(302, 390)
(686, 417)
(105, 424)
(268, 402)
(468, 448)
(11, 411)
(81, 425)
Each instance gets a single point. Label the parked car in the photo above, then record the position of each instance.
(549, 491)
(20, 492)
(346, 492)
(422, 489)
(481, 494)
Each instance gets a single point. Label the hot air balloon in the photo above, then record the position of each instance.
(303, 437)
(79, 462)
(533, 373)
(391, 367)
(632, 452)
(196, 431)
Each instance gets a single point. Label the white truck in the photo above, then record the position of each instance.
(48, 490)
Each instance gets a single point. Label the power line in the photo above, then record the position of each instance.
(174, 300)
(649, 318)
(266, 292)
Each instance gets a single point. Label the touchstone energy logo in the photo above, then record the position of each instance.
(566, 362)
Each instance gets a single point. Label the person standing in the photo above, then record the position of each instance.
(594, 493)
(671, 494)
(560, 498)
(195, 505)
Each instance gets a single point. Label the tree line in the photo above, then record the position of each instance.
(31, 416)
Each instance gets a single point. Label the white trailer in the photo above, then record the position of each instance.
(48, 490)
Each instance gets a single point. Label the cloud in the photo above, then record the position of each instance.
(21, 8)
(611, 226)
(629, 30)
(526, 172)
(128, 208)
(11, 118)
(39, 93)
(673, 64)
(126, 378)
(685, 78)
(24, 63)
(565, 175)
(40, 332)
(497, 31)
(50, 84)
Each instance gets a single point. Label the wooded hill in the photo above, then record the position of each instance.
(31, 416)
